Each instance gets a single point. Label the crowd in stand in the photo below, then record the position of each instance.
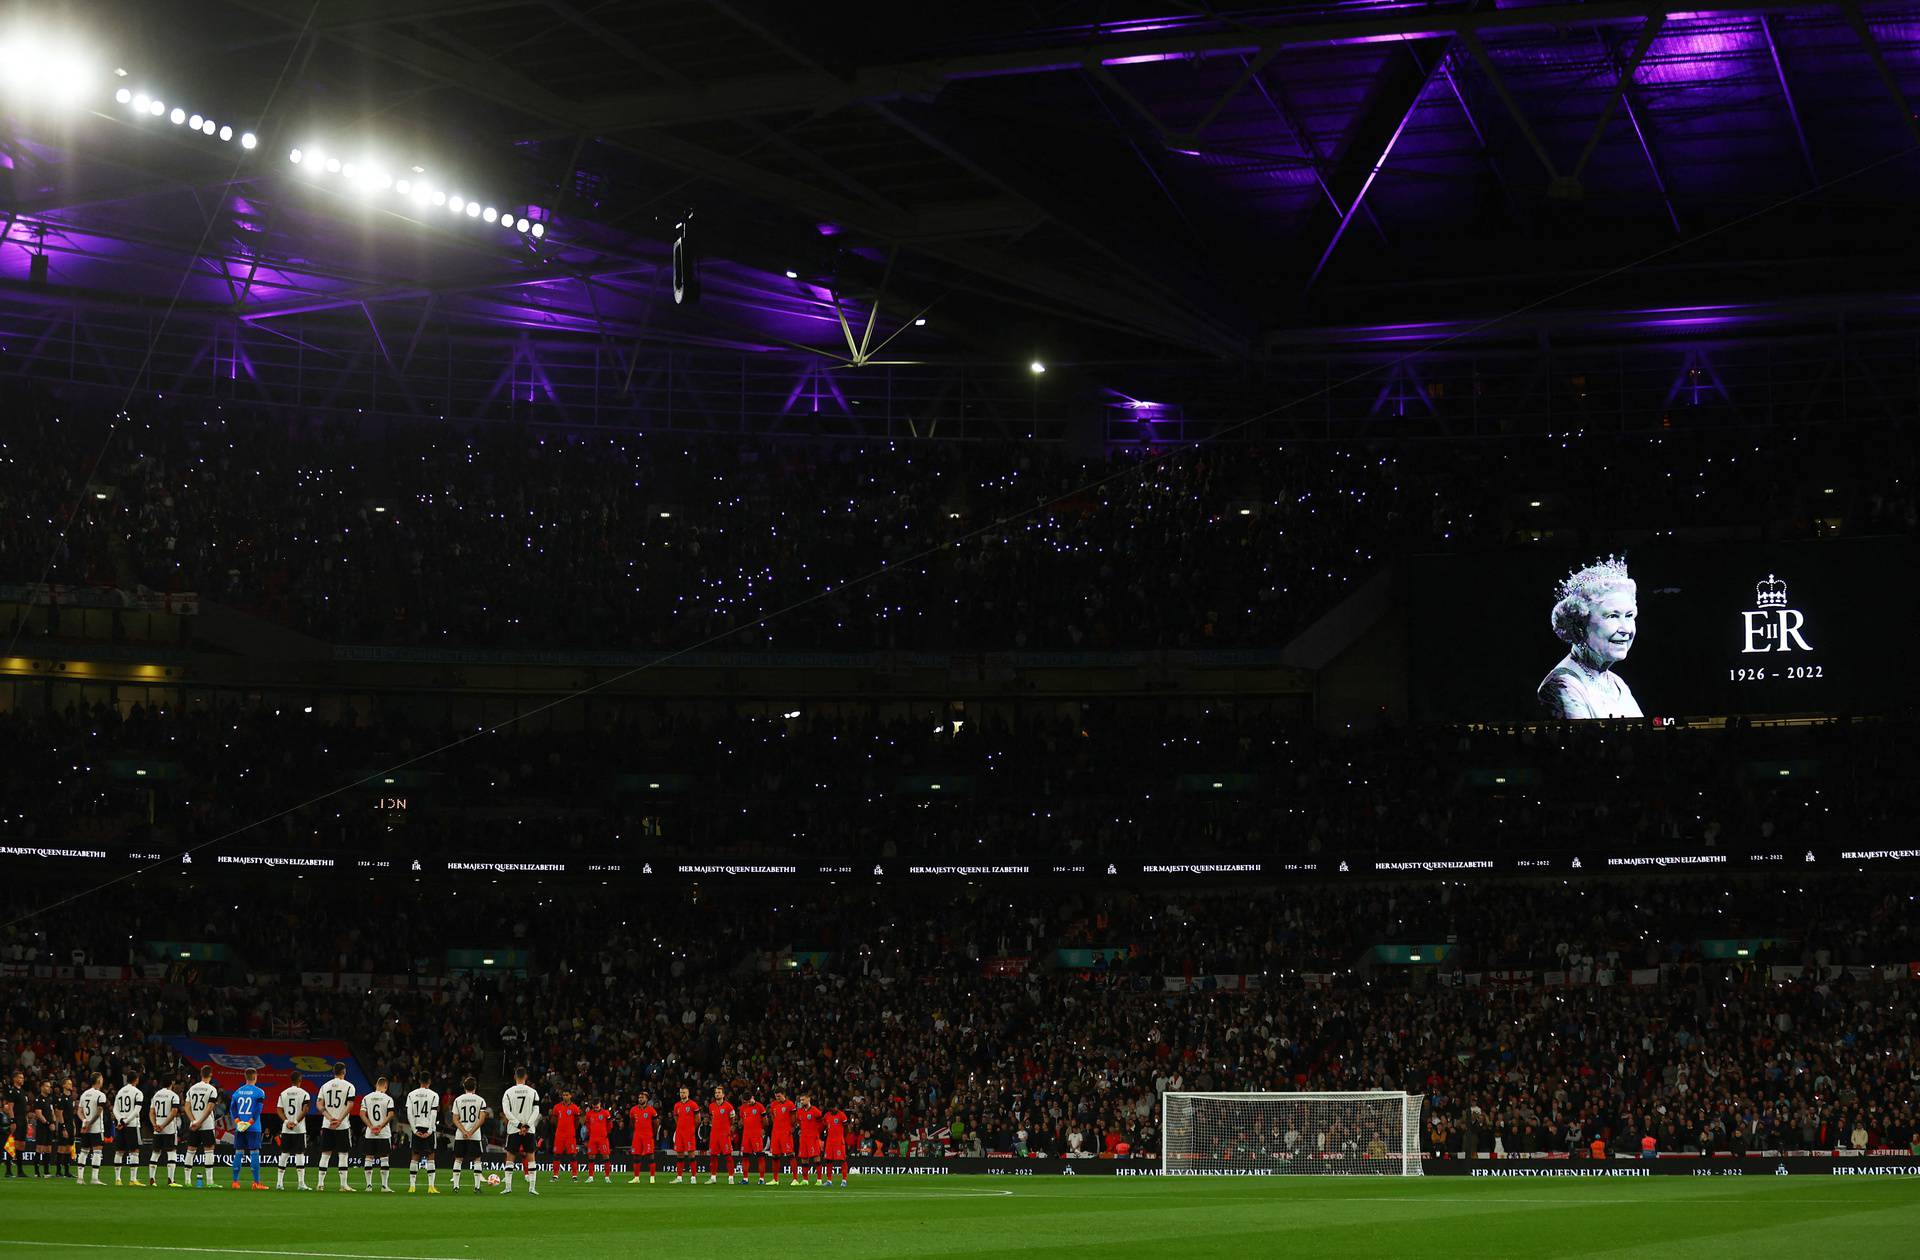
(1094, 781)
(540, 538)
(901, 1003)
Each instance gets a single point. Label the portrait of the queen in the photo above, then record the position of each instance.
(1596, 614)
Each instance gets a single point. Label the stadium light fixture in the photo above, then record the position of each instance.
(792, 274)
(248, 140)
(920, 322)
(539, 229)
(294, 156)
(1037, 368)
(194, 121)
(157, 108)
(178, 116)
(124, 95)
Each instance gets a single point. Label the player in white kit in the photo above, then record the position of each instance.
(202, 1097)
(376, 1135)
(295, 1103)
(93, 1127)
(469, 1114)
(336, 1124)
(163, 1122)
(129, 1108)
(520, 1113)
(423, 1122)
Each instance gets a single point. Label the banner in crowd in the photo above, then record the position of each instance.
(1011, 965)
(278, 1061)
(1211, 984)
(49, 971)
(60, 595)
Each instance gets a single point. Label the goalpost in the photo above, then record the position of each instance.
(1349, 1133)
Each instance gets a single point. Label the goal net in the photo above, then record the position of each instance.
(1348, 1133)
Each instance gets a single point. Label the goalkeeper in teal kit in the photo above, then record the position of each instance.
(246, 1109)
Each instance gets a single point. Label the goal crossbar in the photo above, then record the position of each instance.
(1337, 1133)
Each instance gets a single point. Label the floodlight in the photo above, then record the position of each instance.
(333, 166)
(489, 214)
(403, 187)
(792, 274)
(226, 133)
(439, 198)
(346, 172)
(506, 221)
(539, 229)
(1036, 367)
(921, 322)
(473, 209)
(209, 127)
(453, 204)
(156, 108)
(178, 116)
(294, 156)
(248, 140)
(194, 121)
(123, 96)
(521, 226)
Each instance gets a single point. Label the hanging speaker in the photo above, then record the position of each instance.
(686, 267)
(37, 271)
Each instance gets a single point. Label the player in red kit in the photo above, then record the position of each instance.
(686, 1141)
(836, 1149)
(809, 1117)
(719, 1136)
(753, 1138)
(780, 1135)
(566, 1134)
(643, 1117)
(599, 1141)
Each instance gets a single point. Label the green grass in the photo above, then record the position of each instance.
(934, 1218)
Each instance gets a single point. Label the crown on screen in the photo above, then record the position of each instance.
(1609, 570)
(1770, 593)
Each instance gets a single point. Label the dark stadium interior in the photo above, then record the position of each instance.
(994, 562)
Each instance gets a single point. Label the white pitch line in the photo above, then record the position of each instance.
(224, 1251)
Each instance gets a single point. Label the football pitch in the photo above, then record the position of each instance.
(930, 1218)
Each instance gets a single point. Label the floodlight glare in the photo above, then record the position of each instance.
(489, 214)
(453, 205)
(439, 197)
(1036, 367)
(521, 226)
(194, 121)
(346, 172)
(421, 195)
(248, 140)
(156, 108)
(473, 209)
(539, 229)
(403, 187)
(210, 129)
(294, 156)
(333, 166)
(178, 116)
(506, 221)
(226, 133)
(123, 96)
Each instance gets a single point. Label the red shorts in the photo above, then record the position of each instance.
(685, 1144)
(836, 1155)
(643, 1148)
(720, 1144)
(564, 1145)
(599, 1148)
(782, 1145)
(809, 1148)
(752, 1143)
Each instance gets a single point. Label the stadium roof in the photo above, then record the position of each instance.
(1099, 181)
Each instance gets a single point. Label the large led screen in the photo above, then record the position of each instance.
(1663, 629)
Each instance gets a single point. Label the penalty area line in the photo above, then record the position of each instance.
(223, 1251)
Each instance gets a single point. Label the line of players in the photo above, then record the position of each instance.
(69, 1134)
